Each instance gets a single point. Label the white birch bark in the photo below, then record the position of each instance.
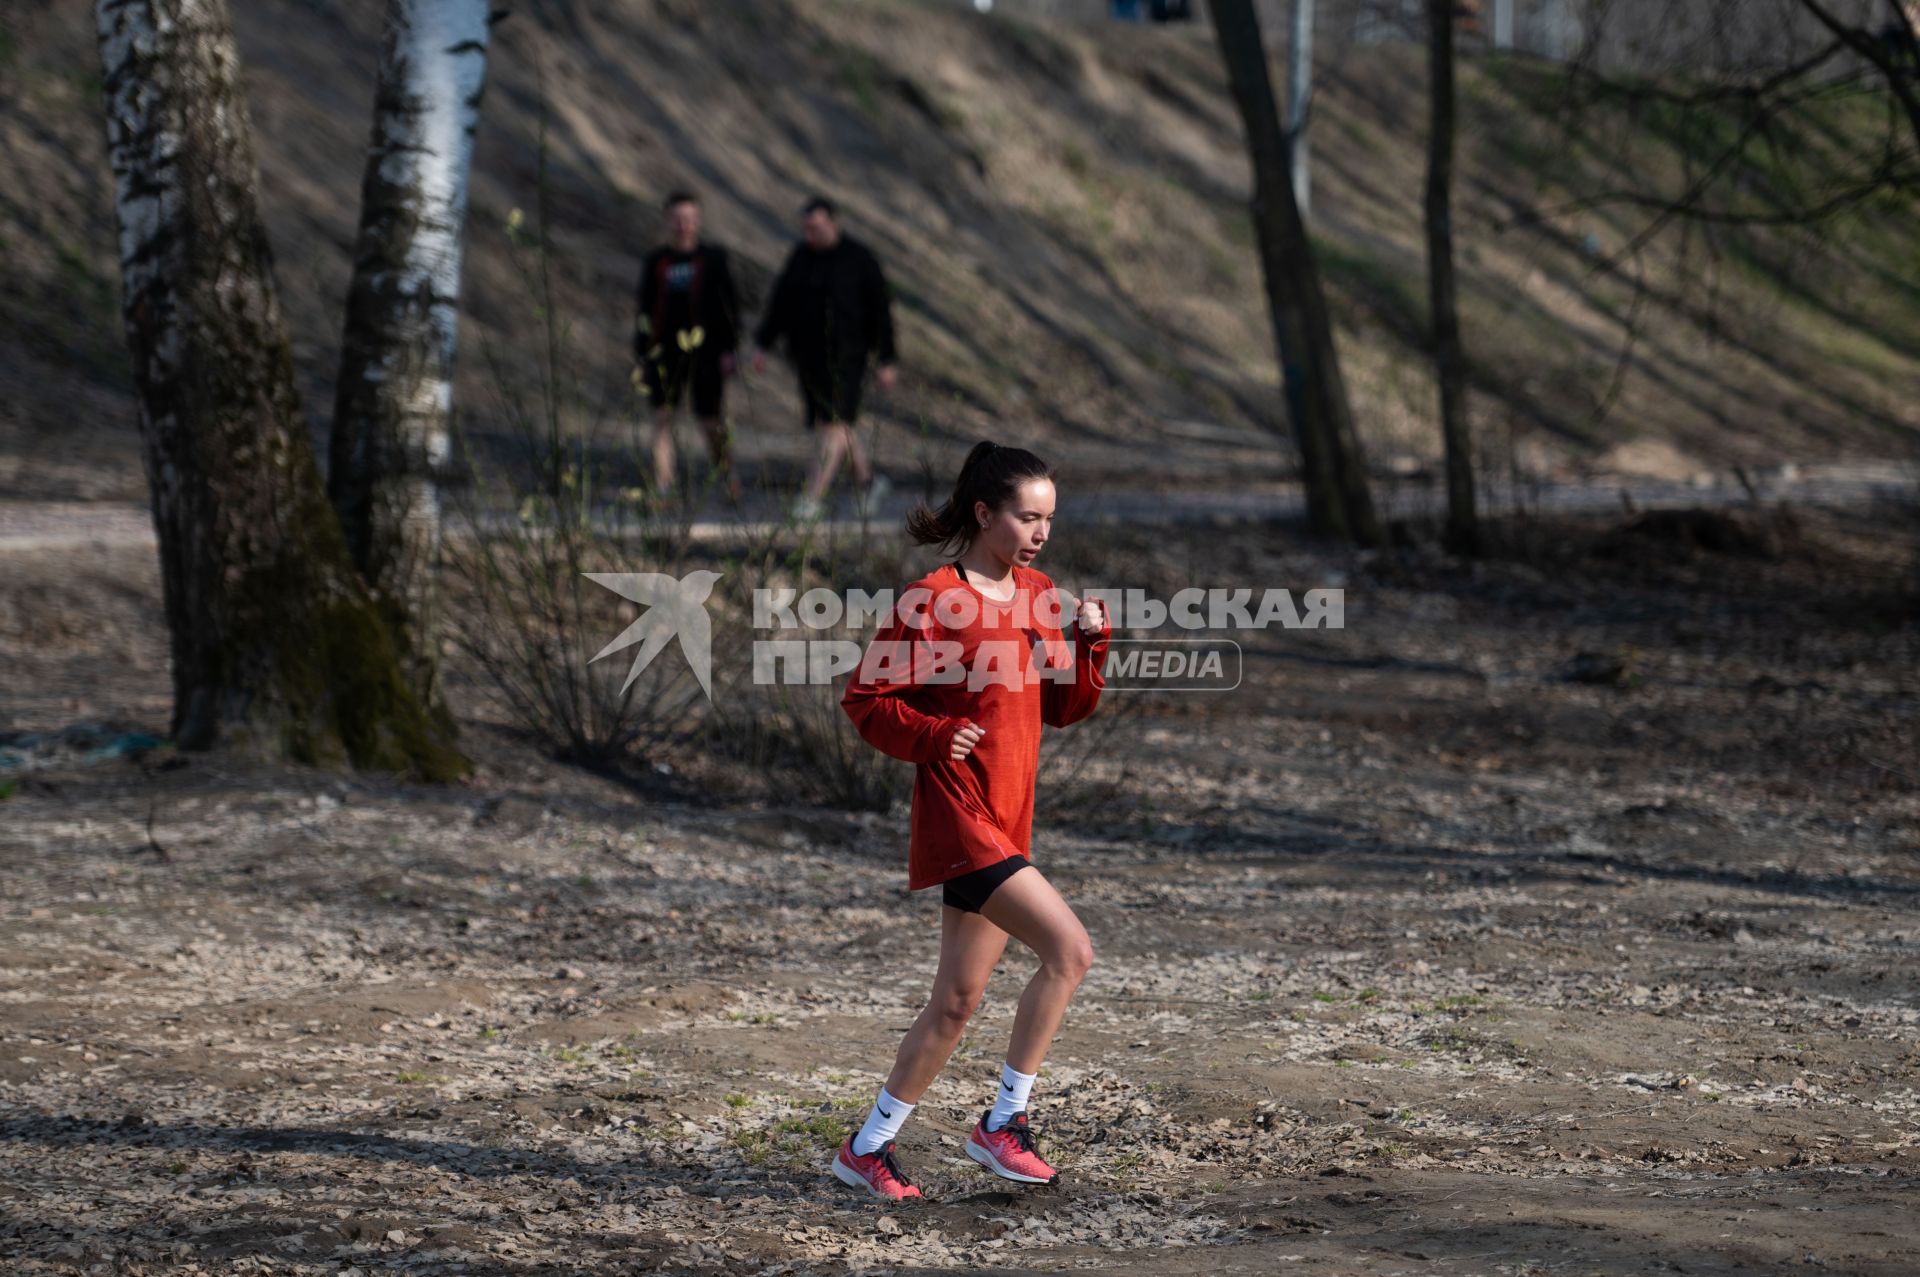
(393, 406)
(276, 649)
(1300, 101)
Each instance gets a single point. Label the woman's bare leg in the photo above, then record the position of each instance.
(1027, 907)
(970, 947)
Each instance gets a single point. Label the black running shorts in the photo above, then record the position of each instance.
(970, 890)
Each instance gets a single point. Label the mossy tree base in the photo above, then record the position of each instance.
(278, 649)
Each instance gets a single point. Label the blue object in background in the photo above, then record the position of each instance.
(82, 744)
(1151, 10)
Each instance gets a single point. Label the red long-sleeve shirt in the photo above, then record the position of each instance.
(979, 811)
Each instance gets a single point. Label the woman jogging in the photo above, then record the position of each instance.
(972, 662)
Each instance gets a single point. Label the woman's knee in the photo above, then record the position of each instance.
(956, 1005)
(1072, 957)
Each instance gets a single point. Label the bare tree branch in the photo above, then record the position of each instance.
(1875, 53)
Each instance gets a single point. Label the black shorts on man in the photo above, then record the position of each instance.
(671, 373)
(831, 392)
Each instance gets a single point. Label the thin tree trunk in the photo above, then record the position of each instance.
(1463, 528)
(277, 650)
(1338, 501)
(392, 411)
(1300, 102)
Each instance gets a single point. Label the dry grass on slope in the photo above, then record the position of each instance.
(1060, 207)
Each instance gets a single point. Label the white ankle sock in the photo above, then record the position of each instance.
(882, 1124)
(1015, 1086)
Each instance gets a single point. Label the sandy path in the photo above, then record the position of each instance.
(27, 526)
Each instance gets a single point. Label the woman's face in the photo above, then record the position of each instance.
(1016, 531)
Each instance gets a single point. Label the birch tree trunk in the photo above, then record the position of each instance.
(1300, 103)
(392, 410)
(1338, 501)
(277, 651)
(1463, 526)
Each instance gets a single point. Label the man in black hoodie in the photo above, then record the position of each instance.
(832, 307)
(685, 335)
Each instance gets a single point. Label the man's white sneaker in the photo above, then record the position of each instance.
(868, 502)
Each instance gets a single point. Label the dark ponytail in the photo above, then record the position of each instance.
(991, 474)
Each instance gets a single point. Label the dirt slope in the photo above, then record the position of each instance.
(1059, 205)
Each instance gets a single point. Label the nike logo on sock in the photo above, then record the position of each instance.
(884, 1113)
(1006, 1088)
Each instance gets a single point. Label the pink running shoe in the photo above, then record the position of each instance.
(1009, 1152)
(877, 1172)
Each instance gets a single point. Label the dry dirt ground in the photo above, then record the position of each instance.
(1557, 915)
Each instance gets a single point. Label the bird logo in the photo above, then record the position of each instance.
(674, 608)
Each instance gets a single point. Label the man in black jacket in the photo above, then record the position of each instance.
(832, 307)
(685, 335)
